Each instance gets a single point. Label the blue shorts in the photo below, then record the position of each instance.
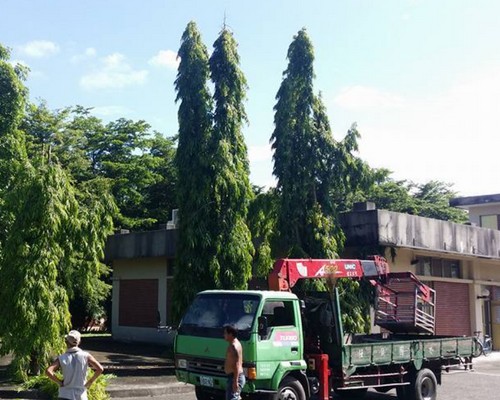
(230, 395)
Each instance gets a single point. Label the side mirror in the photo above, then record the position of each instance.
(262, 330)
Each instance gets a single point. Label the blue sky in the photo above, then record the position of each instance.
(420, 77)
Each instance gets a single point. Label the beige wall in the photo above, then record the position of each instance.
(140, 268)
(476, 211)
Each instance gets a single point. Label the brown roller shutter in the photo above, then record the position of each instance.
(452, 308)
(138, 302)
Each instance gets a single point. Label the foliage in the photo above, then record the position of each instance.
(51, 245)
(96, 392)
(261, 220)
(13, 92)
(231, 190)
(137, 163)
(315, 173)
(195, 253)
(429, 200)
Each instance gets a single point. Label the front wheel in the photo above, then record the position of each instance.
(290, 389)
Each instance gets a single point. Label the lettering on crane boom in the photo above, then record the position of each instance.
(327, 269)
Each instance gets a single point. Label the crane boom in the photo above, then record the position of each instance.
(287, 272)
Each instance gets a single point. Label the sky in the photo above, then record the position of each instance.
(421, 78)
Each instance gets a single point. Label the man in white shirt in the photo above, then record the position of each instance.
(73, 365)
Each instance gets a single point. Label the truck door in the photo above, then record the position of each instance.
(283, 341)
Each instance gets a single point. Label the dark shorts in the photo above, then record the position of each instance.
(230, 395)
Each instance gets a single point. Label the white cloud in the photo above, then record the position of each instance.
(165, 58)
(450, 136)
(114, 73)
(364, 97)
(39, 48)
(89, 52)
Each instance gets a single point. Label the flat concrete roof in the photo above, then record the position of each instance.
(464, 202)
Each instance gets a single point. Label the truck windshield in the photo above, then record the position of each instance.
(208, 314)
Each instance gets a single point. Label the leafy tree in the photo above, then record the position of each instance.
(261, 220)
(315, 173)
(51, 243)
(429, 200)
(138, 163)
(433, 199)
(231, 190)
(195, 253)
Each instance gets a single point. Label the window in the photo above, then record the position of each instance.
(490, 221)
(440, 267)
(279, 313)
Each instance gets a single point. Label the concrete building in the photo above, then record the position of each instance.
(461, 262)
(142, 265)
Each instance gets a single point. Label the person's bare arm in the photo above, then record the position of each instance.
(98, 370)
(50, 372)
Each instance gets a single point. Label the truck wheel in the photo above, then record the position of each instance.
(290, 389)
(425, 385)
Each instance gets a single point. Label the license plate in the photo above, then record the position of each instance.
(207, 381)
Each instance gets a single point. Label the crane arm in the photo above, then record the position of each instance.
(287, 272)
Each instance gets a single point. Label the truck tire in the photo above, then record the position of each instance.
(425, 385)
(290, 389)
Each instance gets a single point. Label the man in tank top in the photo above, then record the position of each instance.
(73, 365)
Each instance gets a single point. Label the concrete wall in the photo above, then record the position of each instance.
(158, 243)
(386, 228)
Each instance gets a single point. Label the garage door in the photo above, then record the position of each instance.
(138, 302)
(452, 308)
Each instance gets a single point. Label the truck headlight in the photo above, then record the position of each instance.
(182, 363)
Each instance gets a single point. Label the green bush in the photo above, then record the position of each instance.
(41, 382)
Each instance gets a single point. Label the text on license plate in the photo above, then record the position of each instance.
(206, 380)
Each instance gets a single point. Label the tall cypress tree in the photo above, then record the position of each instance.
(315, 175)
(300, 141)
(231, 187)
(195, 252)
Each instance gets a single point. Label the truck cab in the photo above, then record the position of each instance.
(270, 331)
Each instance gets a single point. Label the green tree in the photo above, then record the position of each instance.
(429, 200)
(300, 141)
(137, 162)
(231, 190)
(195, 253)
(262, 220)
(51, 243)
(315, 174)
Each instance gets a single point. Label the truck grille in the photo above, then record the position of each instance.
(206, 366)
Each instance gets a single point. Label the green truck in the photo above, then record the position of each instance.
(294, 346)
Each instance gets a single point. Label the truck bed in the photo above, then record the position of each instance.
(374, 350)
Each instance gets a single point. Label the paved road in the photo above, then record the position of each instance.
(483, 383)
